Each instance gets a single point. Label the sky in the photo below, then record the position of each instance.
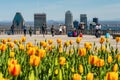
(55, 9)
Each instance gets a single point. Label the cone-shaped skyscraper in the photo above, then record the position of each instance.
(18, 21)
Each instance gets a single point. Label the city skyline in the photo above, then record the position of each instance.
(55, 10)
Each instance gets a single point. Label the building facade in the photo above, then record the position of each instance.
(83, 20)
(18, 21)
(68, 20)
(39, 20)
(95, 20)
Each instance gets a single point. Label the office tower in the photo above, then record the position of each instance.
(95, 20)
(68, 20)
(76, 24)
(83, 20)
(39, 20)
(18, 21)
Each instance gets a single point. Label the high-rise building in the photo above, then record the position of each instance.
(95, 20)
(68, 20)
(39, 20)
(76, 24)
(18, 21)
(83, 20)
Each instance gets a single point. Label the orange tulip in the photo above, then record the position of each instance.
(4, 41)
(88, 45)
(41, 53)
(100, 63)
(14, 70)
(90, 76)
(71, 42)
(102, 39)
(111, 76)
(62, 61)
(93, 60)
(3, 47)
(115, 68)
(59, 41)
(34, 60)
(31, 51)
(117, 39)
(82, 51)
(77, 77)
(50, 42)
(23, 39)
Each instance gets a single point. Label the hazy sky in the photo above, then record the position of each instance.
(55, 9)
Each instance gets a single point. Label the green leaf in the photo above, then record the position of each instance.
(1, 75)
(31, 76)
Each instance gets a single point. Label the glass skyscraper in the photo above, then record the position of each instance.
(83, 20)
(68, 20)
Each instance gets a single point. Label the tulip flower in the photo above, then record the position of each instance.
(76, 77)
(115, 68)
(109, 59)
(111, 76)
(102, 39)
(34, 60)
(62, 61)
(81, 68)
(90, 76)
(82, 51)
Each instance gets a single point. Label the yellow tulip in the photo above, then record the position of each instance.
(103, 48)
(111, 76)
(87, 45)
(41, 53)
(77, 77)
(31, 51)
(23, 39)
(3, 47)
(109, 59)
(11, 44)
(82, 51)
(50, 41)
(78, 39)
(21, 46)
(100, 63)
(92, 60)
(117, 39)
(81, 68)
(4, 41)
(115, 68)
(102, 39)
(62, 61)
(59, 41)
(60, 50)
(15, 41)
(9, 39)
(90, 76)
(34, 60)
(14, 69)
(12, 54)
(71, 42)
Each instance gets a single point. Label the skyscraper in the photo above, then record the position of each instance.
(39, 20)
(83, 19)
(95, 20)
(18, 21)
(68, 20)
